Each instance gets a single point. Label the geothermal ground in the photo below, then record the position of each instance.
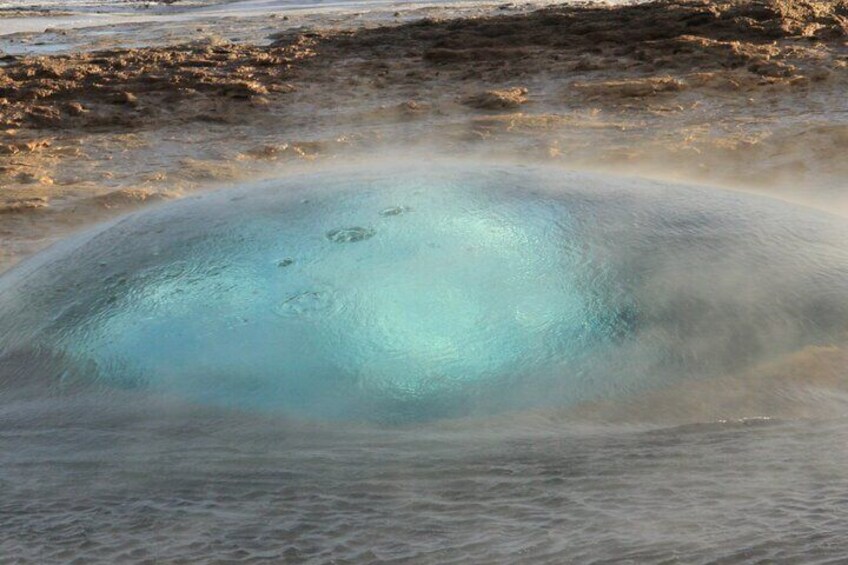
(733, 452)
(96, 120)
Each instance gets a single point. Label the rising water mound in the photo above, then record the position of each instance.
(411, 293)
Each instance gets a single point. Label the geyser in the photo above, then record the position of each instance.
(413, 294)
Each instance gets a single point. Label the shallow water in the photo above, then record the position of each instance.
(172, 384)
(140, 483)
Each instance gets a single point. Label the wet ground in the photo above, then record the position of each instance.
(746, 95)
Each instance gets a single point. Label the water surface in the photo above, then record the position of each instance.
(431, 364)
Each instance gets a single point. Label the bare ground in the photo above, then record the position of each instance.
(741, 93)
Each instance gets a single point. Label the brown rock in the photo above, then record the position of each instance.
(24, 147)
(129, 197)
(412, 107)
(31, 178)
(243, 89)
(631, 88)
(771, 68)
(44, 116)
(23, 204)
(124, 97)
(498, 99)
(75, 109)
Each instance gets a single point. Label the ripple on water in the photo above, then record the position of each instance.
(350, 235)
(522, 308)
(506, 289)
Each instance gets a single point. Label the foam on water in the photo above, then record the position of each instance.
(408, 294)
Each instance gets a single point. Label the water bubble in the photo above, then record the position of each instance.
(306, 304)
(394, 211)
(350, 235)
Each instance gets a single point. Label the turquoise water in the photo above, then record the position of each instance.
(410, 294)
(413, 294)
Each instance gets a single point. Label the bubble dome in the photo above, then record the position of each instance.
(409, 292)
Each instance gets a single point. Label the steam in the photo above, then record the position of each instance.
(396, 293)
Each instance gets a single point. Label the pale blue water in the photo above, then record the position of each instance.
(418, 294)
(401, 297)
(409, 291)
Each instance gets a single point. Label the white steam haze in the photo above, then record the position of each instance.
(423, 282)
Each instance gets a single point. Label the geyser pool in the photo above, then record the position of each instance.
(412, 293)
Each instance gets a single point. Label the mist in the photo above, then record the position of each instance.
(396, 293)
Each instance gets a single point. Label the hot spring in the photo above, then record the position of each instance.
(416, 293)
(450, 363)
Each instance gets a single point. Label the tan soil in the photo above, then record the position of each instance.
(741, 93)
(760, 43)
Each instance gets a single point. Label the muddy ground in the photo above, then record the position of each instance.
(747, 94)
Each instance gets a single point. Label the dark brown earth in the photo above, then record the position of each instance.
(659, 47)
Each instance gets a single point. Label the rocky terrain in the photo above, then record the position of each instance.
(733, 93)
